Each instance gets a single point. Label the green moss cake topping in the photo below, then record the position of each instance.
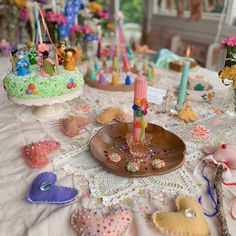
(35, 86)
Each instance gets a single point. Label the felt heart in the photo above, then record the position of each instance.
(71, 125)
(35, 154)
(91, 222)
(44, 190)
(189, 220)
(224, 153)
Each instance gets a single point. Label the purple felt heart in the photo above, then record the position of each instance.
(44, 190)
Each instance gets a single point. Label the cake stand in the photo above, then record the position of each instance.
(45, 109)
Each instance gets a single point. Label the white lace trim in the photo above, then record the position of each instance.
(112, 189)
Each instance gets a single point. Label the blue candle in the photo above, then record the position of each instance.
(127, 80)
(183, 83)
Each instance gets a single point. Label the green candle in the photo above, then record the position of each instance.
(183, 83)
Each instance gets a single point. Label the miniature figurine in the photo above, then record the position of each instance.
(61, 53)
(22, 64)
(186, 114)
(70, 60)
(32, 57)
(166, 100)
(45, 63)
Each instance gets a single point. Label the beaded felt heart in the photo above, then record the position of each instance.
(35, 154)
(188, 220)
(44, 190)
(90, 222)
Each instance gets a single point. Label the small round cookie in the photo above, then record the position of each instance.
(114, 157)
(133, 166)
(158, 163)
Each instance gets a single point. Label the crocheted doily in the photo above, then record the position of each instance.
(112, 188)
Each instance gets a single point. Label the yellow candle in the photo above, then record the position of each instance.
(188, 51)
(153, 72)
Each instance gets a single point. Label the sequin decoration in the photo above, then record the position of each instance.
(133, 166)
(158, 163)
(114, 157)
(91, 222)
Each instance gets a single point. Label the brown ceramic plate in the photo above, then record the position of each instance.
(164, 145)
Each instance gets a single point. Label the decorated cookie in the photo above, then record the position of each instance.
(91, 222)
(35, 154)
(110, 114)
(133, 166)
(188, 220)
(114, 157)
(71, 125)
(44, 190)
(158, 163)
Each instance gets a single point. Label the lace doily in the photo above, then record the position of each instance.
(112, 188)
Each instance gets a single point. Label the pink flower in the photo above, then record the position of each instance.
(103, 14)
(61, 19)
(217, 110)
(51, 16)
(24, 14)
(200, 132)
(216, 122)
(83, 108)
(87, 29)
(229, 41)
(142, 209)
(76, 28)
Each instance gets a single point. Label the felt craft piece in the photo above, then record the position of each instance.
(110, 114)
(195, 10)
(188, 220)
(91, 222)
(186, 113)
(222, 155)
(44, 190)
(35, 154)
(71, 126)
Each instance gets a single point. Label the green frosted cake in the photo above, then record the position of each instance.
(34, 86)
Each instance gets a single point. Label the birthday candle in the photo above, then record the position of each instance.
(102, 78)
(183, 83)
(114, 79)
(140, 108)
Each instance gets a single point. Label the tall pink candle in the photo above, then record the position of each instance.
(140, 95)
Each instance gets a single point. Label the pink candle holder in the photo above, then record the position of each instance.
(139, 149)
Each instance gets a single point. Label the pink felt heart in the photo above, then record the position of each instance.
(90, 222)
(225, 153)
(35, 154)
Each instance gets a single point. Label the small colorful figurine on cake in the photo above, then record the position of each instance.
(47, 66)
(22, 65)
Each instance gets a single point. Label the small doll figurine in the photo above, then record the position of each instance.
(32, 57)
(22, 65)
(166, 100)
(61, 53)
(70, 60)
(45, 63)
(186, 113)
